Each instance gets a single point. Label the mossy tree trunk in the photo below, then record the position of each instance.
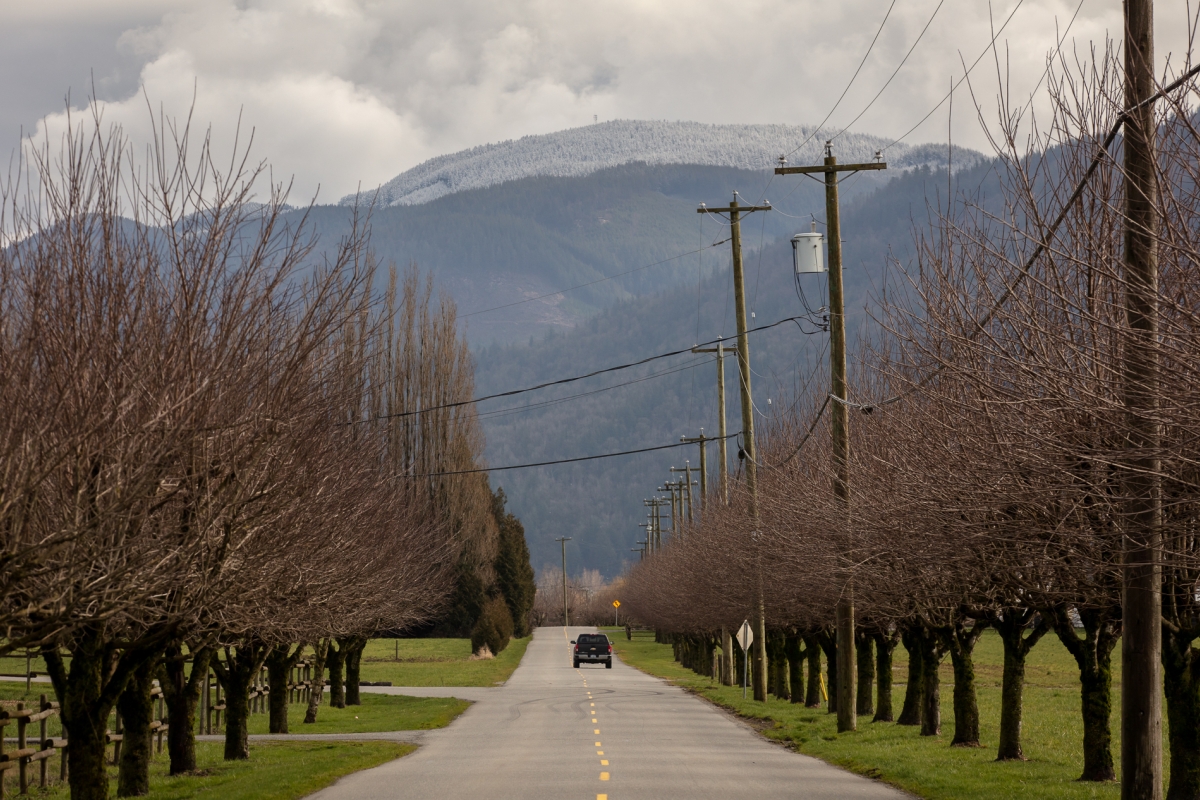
(280, 661)
(865, 657)
(181, 695)
(914, 703)
(87, 692)
(931, 695)
(795, 661)
(828, 641)
(236, 675)
(136, 707)
(1181, 680)
(1093, 655)
(812, 693)
(320, 654)
(1014, 627)
(335, 662)
(885, 644)
(353, 647)
(960, 641)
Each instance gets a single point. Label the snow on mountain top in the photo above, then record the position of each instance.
(582, 151)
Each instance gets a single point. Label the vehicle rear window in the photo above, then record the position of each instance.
(592, 638)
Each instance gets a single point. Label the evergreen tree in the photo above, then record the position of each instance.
(514, 573)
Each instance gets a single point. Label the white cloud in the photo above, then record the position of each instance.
(347, 91)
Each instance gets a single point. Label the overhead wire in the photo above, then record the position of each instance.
(560, 381)
(557, 461)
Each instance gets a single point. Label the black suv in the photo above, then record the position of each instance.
(592, 648)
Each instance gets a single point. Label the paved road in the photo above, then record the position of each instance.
(556, 732)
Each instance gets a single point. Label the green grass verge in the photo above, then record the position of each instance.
(378, 712)
(928, 766)
(275, 771)
(437, 662)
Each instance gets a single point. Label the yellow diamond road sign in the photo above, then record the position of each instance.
(616, 603)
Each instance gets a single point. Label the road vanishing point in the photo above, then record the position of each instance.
(554, 732)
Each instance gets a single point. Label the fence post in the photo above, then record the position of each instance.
(42, 706)
(23, 761)
(120, 734)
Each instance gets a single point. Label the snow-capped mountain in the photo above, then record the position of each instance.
(582, 151)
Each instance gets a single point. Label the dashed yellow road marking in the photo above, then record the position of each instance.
(604, 762)
(601, 797)
(603, 776)
(599, 745)
(597, 731)
(593, 720)
(599, 752)
(591, 704)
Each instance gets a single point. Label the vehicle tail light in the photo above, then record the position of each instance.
(610, 648)
(576, 648)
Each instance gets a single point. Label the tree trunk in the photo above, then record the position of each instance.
(237, 676)
(336, 664)
(320, 653)
(727, 659)
(914, 702)
(137, 712)
(931, 696)
(181, 695)
(795, 662)
(84, 710)
(1093, 655)
(1011, 624)
(1181, 679)
(812, 696)
(884, 645)
(866, 671)
(960, 641)
(354, 647)
(828, 641)
(280, 661)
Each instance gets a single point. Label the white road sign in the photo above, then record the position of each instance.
(745, 636)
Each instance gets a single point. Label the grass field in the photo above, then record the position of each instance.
(378, 712)
(928, 766)
(275, 771)
(437, 662)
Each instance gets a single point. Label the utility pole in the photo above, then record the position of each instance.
(700, 440)
(1141, 640)
(566, 618)
(721, 352)
(735, 211)
(847, 663)
(685, 489)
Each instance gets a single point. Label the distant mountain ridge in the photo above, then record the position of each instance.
(581, 151)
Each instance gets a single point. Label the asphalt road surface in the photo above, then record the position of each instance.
(556, 732)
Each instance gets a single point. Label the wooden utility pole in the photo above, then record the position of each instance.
(721, 352)
(847, 662)
(701, 440)
(566, 618)
(685, 489)
(1141, 640)
(735, 211)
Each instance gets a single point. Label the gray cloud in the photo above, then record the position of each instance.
(347, 91)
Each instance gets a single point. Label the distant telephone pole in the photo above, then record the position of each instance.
(566, 618)
(847, 664)
(735, 211)
(685, 491)
(701, 440)
(721, 351)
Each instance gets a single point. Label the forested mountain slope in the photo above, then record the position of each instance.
(598, 503)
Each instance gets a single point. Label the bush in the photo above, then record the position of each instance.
(494, 627)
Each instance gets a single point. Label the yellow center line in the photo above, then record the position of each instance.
(601, 797)
(599, 752)
(599, 745)
(603, 776)
(604, 762)
(597, 731)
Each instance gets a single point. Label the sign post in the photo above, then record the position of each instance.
(745, 638)
(616, 611)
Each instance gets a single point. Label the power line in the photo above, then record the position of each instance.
(560, 381)
(562, 460)
(593, 283)
(896, 72)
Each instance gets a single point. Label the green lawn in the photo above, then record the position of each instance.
(275, 771)
(437, 662)
(378, 712)
(928, 766)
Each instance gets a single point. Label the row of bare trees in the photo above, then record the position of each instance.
(207, 455)
(994, 489)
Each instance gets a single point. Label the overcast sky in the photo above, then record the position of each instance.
(345, 91)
